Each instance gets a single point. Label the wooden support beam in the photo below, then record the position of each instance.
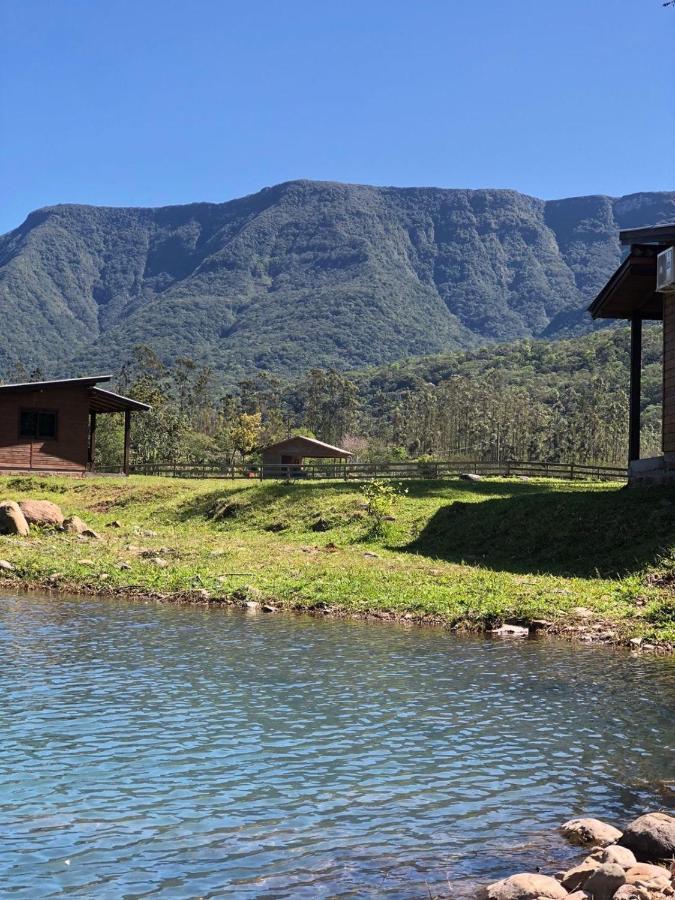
(127, 440)
(92, 440)
(635, 388)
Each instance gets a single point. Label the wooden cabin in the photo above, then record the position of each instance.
(50, 426)
(286, 458)
(631, 293)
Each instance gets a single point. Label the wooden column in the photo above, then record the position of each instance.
(127, 437)
(669, 373)
(635, 388)
(92, 440)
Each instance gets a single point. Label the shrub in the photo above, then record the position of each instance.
(382, 498)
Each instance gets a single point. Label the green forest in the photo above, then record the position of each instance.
(560, 401)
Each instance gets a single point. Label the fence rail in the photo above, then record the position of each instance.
(397, 470)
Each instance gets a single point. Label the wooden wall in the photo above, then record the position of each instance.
(669, 373)
(68, 452)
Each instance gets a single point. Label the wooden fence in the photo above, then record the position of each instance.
(395, 470)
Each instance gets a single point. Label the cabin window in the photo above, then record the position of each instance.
(37, 423)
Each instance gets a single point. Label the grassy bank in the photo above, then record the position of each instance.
(470, 554)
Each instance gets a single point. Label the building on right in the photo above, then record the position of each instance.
(643, 289)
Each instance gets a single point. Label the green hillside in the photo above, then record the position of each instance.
(305, 274)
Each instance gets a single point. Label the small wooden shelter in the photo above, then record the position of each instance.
(631, 293)
(50, 426)
(287, 457)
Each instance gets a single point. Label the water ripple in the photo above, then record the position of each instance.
(150, 751)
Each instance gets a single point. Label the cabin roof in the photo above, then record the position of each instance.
(631, 290)
(100, 400)
(308, 447)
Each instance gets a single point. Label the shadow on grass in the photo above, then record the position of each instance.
(576, 533)
(259, 496)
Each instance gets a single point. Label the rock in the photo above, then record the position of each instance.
(124, 566)
(511, 631)
(590, 831)
(90, 533)
(525, 886)
(576, 878)
(622, 856)
(75, 525)
(268, 608)
(646, 874)
(87, 562)
(252, 605)
(388, 518)
(146, 532)
(470, 476)
(651, 837)
(41, 512)
(604, 881)
(159, 562)
(627, 892)
(371, 554)
(578, 895)
(12, 520)
(6, 565)
(582, 612)
(321, 524)
(114, 524)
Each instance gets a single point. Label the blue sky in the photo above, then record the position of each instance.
(153, 102)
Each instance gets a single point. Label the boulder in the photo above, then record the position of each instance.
(507, 630)
(576, 878)
(12, 520)
(41, 512)
(651, 837)
(590, 832)
(470, 476)
(622, 856)
(525, 886)
(604, 881)
(645, 874)
(6, 565)
(578, 895)
(74, 525)
(627, 892)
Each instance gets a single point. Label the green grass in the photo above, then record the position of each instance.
(469, 554)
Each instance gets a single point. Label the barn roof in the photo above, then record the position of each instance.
(100, 400)
(631, 290)
(308, 446)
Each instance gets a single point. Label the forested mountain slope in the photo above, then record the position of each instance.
(305, 274)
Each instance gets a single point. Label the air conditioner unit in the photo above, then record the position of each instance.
(665, 271)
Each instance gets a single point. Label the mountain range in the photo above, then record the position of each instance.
(306, 274)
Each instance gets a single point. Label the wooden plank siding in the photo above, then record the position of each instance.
(67, 452)
(669, 373)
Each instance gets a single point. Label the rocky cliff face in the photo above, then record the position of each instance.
(306, 273)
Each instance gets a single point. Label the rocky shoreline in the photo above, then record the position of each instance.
(637, 863)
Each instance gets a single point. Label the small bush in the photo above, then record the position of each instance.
(382, 498)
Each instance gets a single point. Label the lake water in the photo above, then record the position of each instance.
(151, 750)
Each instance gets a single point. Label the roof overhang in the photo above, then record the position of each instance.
(309, 447)
(631, 290)
(101, 401)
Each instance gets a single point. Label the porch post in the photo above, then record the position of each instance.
(127, 436)
(635, 388)
(92, 440)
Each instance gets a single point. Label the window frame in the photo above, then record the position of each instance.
(36, 436)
